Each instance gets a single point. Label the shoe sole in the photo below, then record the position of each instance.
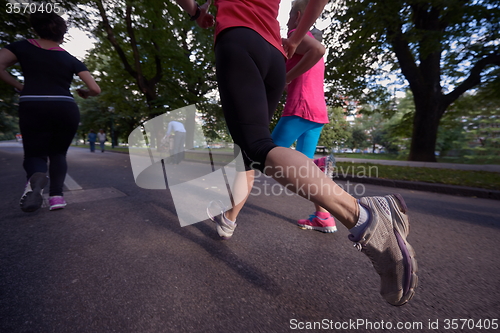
(223, 234)
(57, 207)
(401, 231)
(33, 200)
(216, 218)
(329, 230)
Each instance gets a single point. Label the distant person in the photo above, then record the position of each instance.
(48, 114)
(178, 131)
(92, 138)
(101, 136)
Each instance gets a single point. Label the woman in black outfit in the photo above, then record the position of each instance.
(48, 114)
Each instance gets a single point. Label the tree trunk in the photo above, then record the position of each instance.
(158, 130)
(428, 112)
(190, 126)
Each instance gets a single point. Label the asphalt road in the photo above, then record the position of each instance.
(116, 260)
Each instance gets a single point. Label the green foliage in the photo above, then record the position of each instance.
(8, 120)
(441, 49)
(337, 131)
(8, 112)
(396, 131)
(149, 59)
(362, 36)
(473, 122)
(13, 27)
(358, 139)
(214, 126)
(480, 179)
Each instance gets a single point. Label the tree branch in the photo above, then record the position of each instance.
(405, 58)
(135, 50)
(159, 69)
(111, 37)
(427, 19)
(474, 77)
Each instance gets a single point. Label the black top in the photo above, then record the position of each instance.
(46, 72)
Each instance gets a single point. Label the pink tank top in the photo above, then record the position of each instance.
(258, 15)
(306, 95)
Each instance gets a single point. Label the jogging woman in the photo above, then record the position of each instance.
(305, 112)
(48, 114)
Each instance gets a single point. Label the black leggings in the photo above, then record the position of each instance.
(251, 78)
(48, 128)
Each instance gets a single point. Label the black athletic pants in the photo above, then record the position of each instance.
(251, 78)
(48, 128)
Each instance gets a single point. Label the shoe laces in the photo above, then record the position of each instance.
(358, 246)
(311, 217)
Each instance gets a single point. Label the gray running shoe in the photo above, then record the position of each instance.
(32, 198)
(384, 242)
(215, 212)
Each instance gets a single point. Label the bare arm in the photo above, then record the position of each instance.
(169, 129)
(205, 19)
(313, 10)
(312, 52)
(189, 6)
(93, 87)
(7, 59)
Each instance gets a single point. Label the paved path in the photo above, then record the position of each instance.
(116, 260)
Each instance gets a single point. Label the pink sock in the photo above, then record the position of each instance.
(322, 215)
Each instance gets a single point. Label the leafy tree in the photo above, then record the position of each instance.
(358, 139)
(8, 114)
(392, 127)
(120, 105)
(373, 124)
(441, 48)
(148, 52)
(337, 131)
(13, 26)
(479, 119)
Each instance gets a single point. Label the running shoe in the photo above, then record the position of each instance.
(57, 202)
(314, 222)
(326, 164)
(32, 198)
(216, 212)
(384, 242)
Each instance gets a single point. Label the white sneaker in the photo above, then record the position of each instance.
(32, 198)
(216, 212)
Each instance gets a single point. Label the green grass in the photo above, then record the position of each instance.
(390, 157)
(220, 150)
(480, 179)
(403, 157)
(471, 159)
(107, 148)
